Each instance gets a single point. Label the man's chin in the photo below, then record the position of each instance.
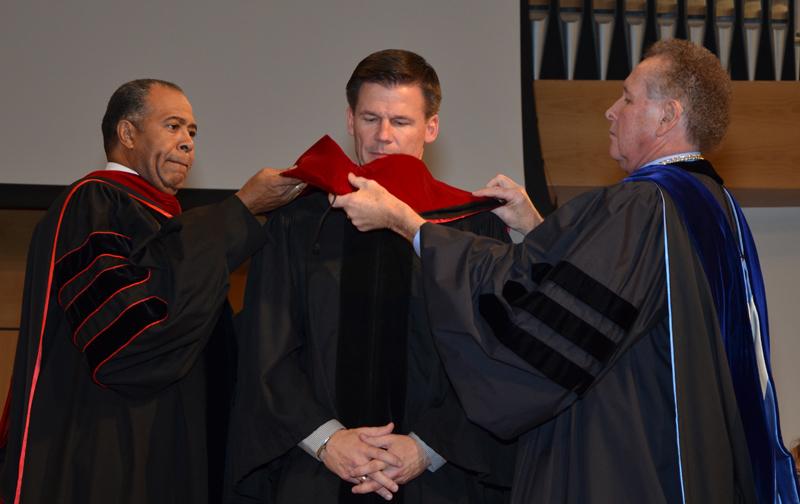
(173, 184)
(372, 156)
(171, 189)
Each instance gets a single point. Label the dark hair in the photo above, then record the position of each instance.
(391, 67)
(127, 102)
(694, 77)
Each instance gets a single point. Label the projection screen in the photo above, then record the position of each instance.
(266, 79)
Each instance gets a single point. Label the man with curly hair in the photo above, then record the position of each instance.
(625, 341)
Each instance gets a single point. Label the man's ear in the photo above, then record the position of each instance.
(431, 128)
(671, 114)
(350, 120)
(126, 133)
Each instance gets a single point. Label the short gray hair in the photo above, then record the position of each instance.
(694, 77)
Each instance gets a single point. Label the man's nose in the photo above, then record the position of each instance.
(187, 143)
(384, 133)
(610, 113)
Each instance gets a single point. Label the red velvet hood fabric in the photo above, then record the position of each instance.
(325, 166)
(166, 202)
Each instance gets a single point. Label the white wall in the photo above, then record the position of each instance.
(266, 79)
(777, 235)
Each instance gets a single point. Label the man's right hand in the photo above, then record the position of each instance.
(345, 451)
(371, 206)
(268, 190)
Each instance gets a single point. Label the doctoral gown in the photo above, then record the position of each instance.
(334, 326)
(596, 341)
(119, 382)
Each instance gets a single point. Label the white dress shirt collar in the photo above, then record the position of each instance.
(118, 167)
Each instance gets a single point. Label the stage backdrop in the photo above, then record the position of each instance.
(266, 79)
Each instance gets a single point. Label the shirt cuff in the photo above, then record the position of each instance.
(416, 242)
(315, 440)
(436, 460)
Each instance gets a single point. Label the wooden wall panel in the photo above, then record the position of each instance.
(574, 132)
(8, 345)
(759, 158)
(16, 227)
(762, 148)
(236, 292)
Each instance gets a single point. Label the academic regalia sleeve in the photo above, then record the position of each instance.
(524, 330)
(443, 424)
(445, 427)
(142, 294)
(275, 405)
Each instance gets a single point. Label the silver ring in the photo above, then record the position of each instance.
(362, 479)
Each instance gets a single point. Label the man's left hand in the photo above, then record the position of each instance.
(517, 211)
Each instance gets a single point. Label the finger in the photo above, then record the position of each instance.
(374, 483)
(494, 192)
(378, 441)
(368, 468)
(286, 188)
(287, 179)
(494, 182)
(386, 494)
(384, 480)
(356, 181)
(276, 177)
(366, 487)
(503, 181)
(485, 192)
(385, 456)
(377, 431)
(341, 200)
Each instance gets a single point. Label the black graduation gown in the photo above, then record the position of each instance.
(293, 362)
(119, 408)
(565, 341)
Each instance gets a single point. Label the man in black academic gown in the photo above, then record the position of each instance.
(116, 394)
(335, 341)
(625, 340)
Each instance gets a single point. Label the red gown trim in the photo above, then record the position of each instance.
(166, 204)
(89, 237)
(131, 340)
(84, 270)
(130, 182)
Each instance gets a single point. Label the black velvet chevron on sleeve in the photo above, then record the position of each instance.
(563, 321)
(94, 284)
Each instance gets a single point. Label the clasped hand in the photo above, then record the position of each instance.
(374, 459)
